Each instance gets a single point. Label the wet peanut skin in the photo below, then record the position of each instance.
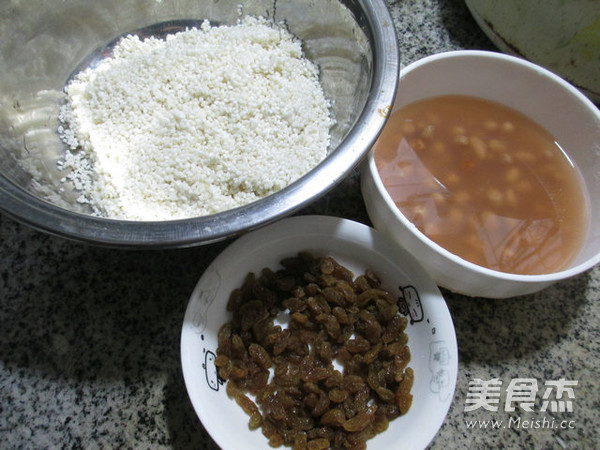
(307, 403)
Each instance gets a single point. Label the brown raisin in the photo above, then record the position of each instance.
(333, 417)
(260, 355)
(307, 403)
(337, 395)
(318, 444)
(359, 422)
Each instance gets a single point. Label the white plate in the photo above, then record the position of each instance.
(432, 339)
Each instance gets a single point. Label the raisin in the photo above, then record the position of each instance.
(373, 279)
(352, 383)
(333, 317)
(299, 318)
(337, 395)
(327, 266)
(247, 405)
(300, 441)
(321, 406)
(235, 300)
(403, 395)
(238, 349)
(341, 315)
(294, 304)
(346, 289)
(358, 345)
(332, 326)
(318, 444)
(333, 417)
(358, 423)
(224, 340)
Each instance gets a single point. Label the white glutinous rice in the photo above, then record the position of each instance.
(203, 121)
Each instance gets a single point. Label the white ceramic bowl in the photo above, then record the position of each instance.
(432, 340)
(538, 93)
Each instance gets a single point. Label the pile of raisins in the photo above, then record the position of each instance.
(300, 398)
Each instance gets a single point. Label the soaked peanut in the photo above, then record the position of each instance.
(461, 139)
(497, 146)
(508, 127)
(479, 147)
(428, 132)
(458, 130)
(490, 125)
(307, 403)
(480, 156)
(408, 127)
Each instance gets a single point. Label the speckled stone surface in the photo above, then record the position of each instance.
(89, 337)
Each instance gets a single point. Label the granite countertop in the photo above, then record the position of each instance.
(89, 354)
